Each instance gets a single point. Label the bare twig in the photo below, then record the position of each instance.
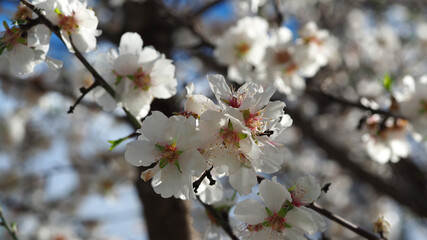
(345, 223)
(84, 91)
(346, 102)
(11, 229)
(206, 174)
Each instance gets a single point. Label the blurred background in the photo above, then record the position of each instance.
(58, 177)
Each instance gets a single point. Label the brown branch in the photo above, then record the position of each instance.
(345, 223)
(206, 174)
(346, 102)
(84, 91)
(205, 8)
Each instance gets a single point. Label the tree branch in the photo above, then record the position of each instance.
(345, 223)
(206, 174)
(11, 229)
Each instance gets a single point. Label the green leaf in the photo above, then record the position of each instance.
(118, 80)
(287, 225)
(5, 25)
(21, 40)
(388, 82)
(160, 147)
(179, 152)
(266, 224)
(178, 166)
(131, 77)
(230, 125)
(242, 136)
(9, 47)
(115, 143)
(282, 212)
(246, 115)
(57, 11)
(163, 163)
(270, 213)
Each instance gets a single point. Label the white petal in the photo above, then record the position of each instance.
(85, 41)
(273, 194)
(302, 220)
(141, 153)
(21, 59)
(130, 43)
(307, 189)
(250, 211)
(243, 180)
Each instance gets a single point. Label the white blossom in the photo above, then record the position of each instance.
(76, 21)
(245, 42)
(277, 219)
(137, 74)
(172, 145)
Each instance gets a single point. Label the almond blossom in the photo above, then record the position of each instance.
(137, 74)
(171, 145)
(412, 102)
(386, 141)
(278, 218)
(266, 120)
(314, 48)
(24, 49)
(75, 20)
(283, 69)
(243, 43)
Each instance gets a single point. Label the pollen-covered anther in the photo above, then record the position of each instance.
(229, 137)
(142, 80)
(68, 23)
(170, 153)
(276, 222)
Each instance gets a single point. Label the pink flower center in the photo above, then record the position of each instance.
(229, 137)
(254, 122)
(170, 153)
(68, 23)
(255, 228)
(276, 222)
(283, 57)
(235, 102)
(142, 80)
(242, 49)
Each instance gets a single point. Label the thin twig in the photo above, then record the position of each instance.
(10, 228)
(345, 223)
(84, 91)
(346, 102)
(206, 174)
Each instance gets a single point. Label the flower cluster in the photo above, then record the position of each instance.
(238, 138)
(284, 215)
(26, 43)
(137, 74)
(256, 53)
